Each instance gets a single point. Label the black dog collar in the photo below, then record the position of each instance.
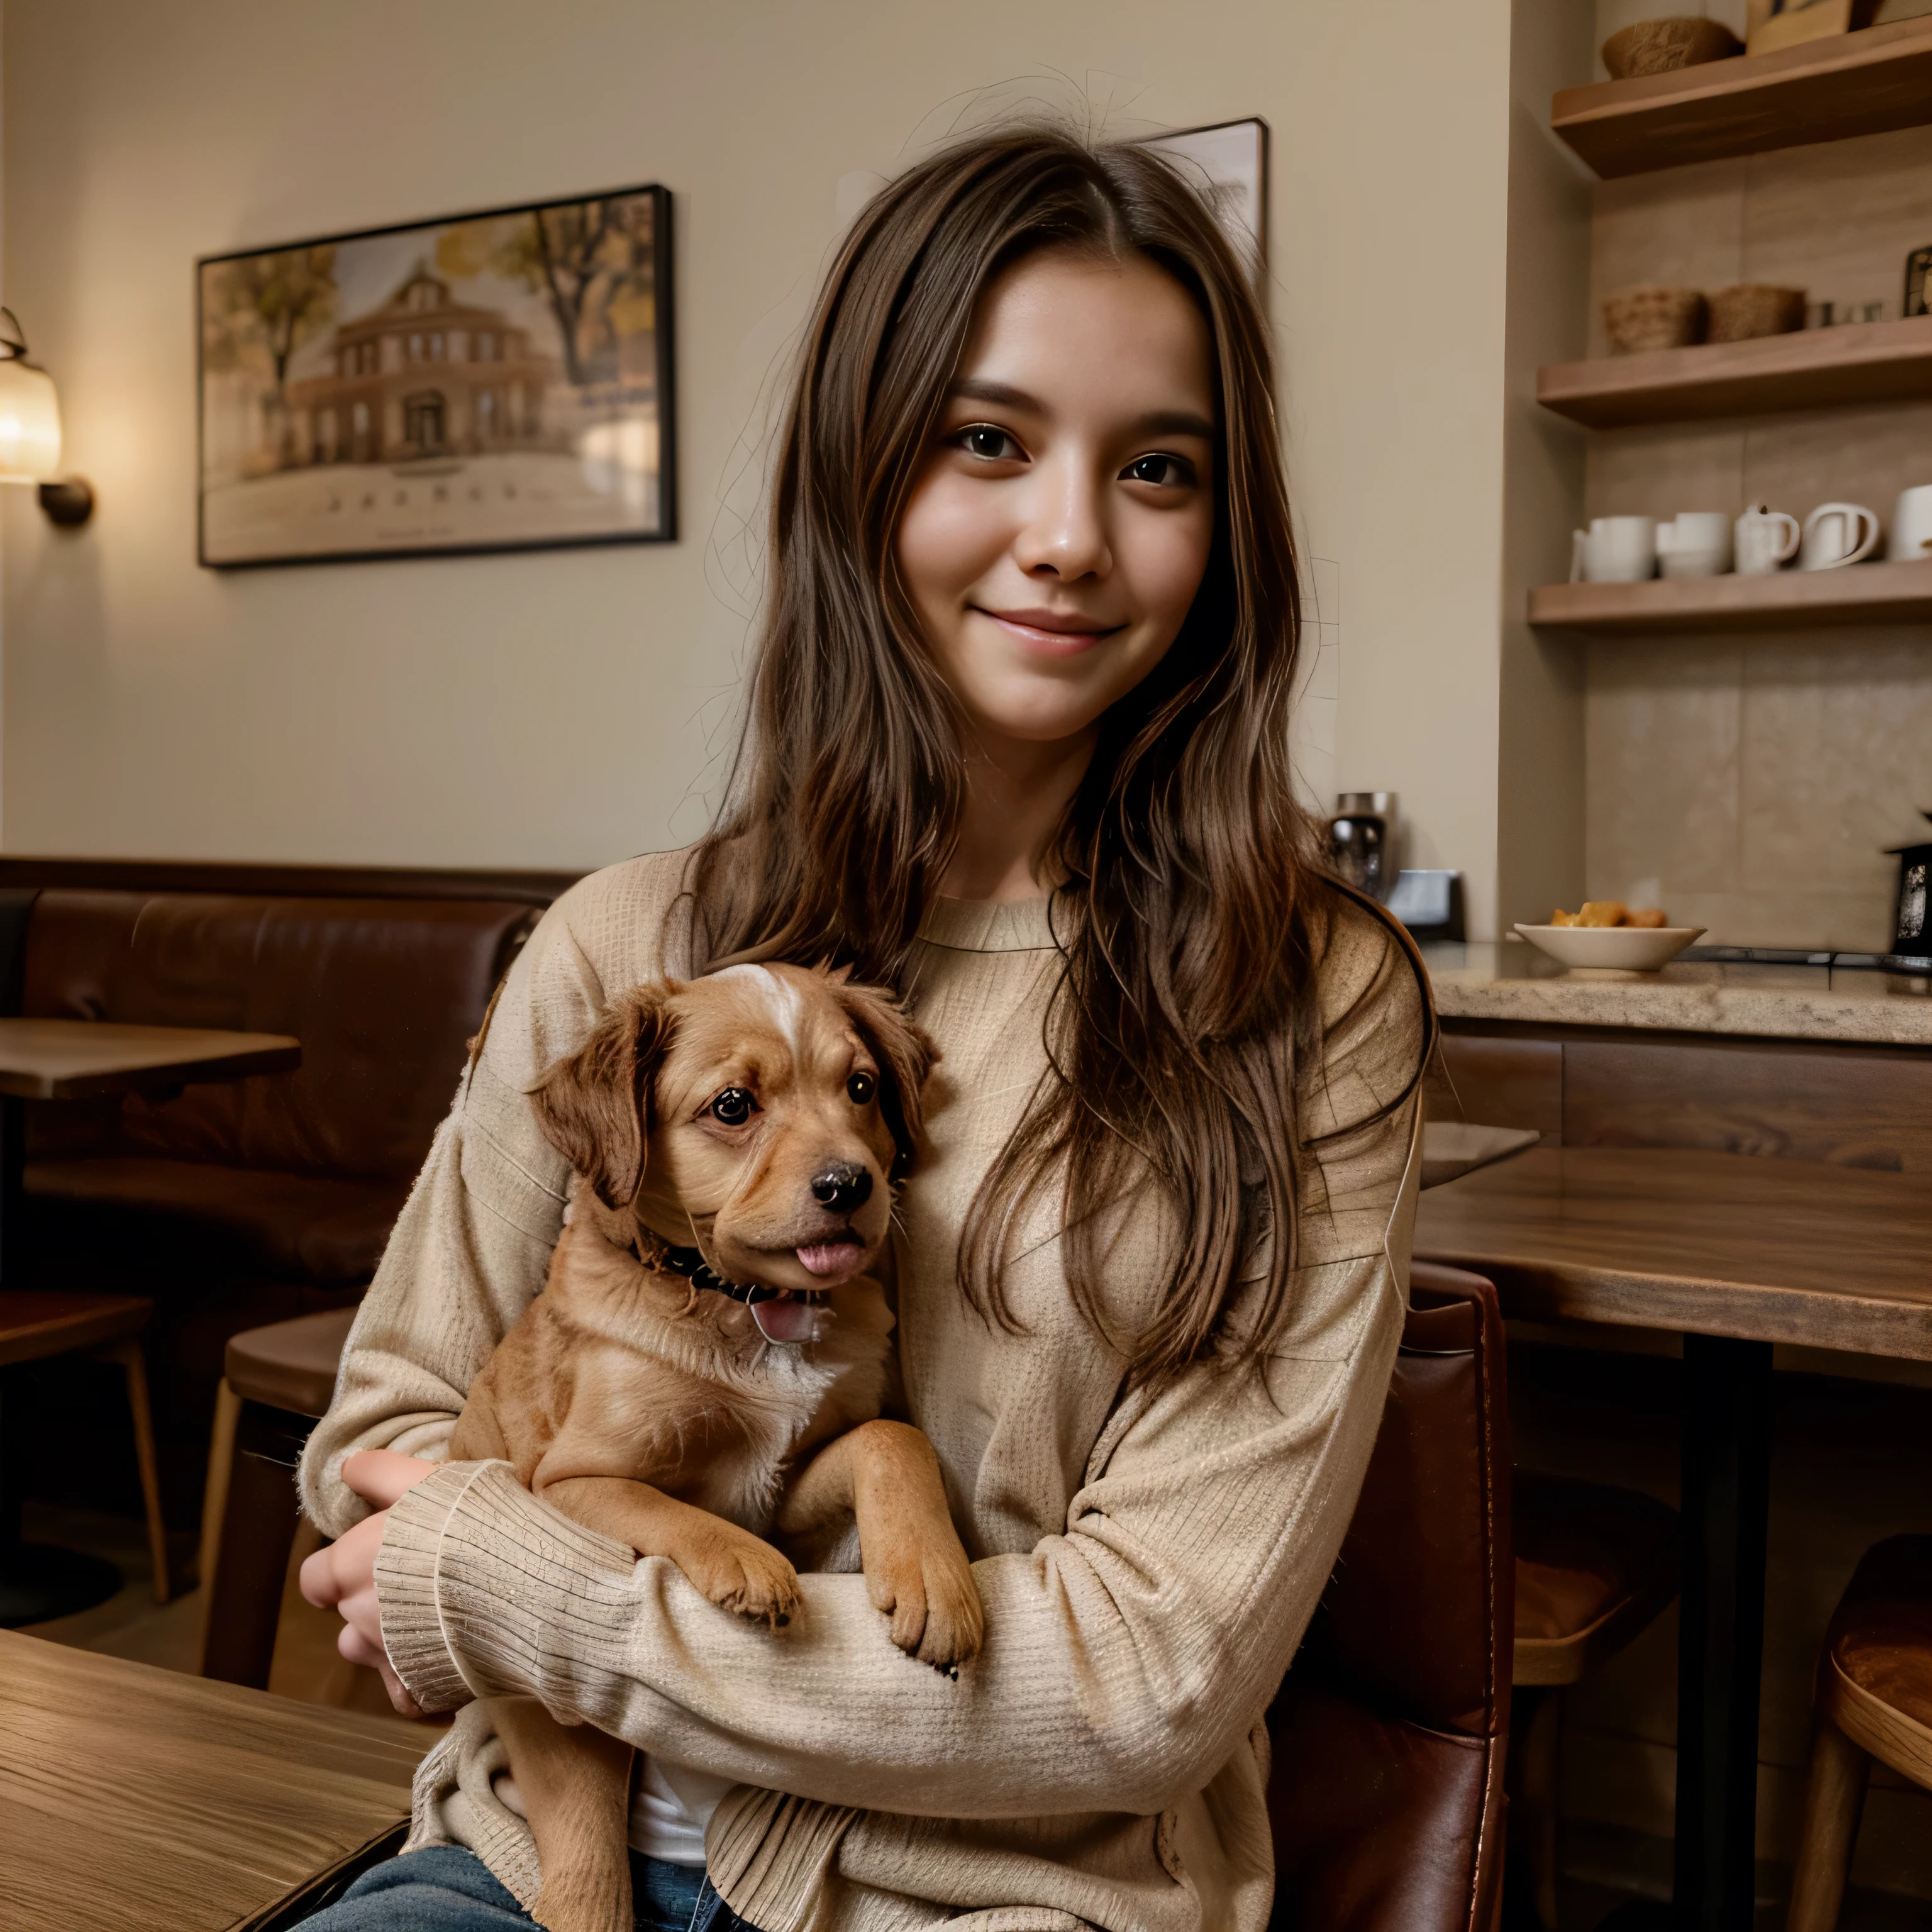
(692, 1265)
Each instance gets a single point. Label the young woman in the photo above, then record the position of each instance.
(1018, 745)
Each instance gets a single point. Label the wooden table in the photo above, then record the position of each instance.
(84, 1060)
(1736, 1252)
(132, 1797)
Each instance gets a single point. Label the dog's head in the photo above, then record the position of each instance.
(761, 1115)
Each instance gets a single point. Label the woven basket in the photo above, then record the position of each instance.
(1752, 309)
(1663, 47)
(1650, 317)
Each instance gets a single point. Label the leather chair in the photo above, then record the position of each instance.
(1874, 1701)
(236, 1205)
(1390, 1732)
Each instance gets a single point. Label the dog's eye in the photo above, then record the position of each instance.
(733, 1107)
(860, 1088)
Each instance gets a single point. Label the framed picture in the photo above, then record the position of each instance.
(487, 382)
(1229, 162)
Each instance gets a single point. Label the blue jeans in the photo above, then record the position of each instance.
(444, 1889)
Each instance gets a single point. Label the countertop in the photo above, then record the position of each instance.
(1513, 982)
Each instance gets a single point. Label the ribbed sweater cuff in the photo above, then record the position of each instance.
(406, 1593)
(485, 1591)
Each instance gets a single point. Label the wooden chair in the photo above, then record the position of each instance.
(278, 1384)
(1386, 1797)
(1874, 1701)
(37, 1325)
(1593, 1567)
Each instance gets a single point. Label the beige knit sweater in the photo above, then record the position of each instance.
(1147, 1562)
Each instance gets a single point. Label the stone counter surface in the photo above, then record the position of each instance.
(1514, 983)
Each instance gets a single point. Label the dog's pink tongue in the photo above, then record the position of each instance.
(788, 1321)
(834, 1259)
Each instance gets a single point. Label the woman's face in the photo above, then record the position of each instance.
(1060, 526)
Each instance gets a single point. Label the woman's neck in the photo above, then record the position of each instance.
(1016, 794)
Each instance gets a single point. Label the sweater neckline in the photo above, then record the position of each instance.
(988, 926)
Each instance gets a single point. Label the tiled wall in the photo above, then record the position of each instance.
(1751, 782)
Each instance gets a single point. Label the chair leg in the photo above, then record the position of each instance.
(1541, 1756)
(258, 1528)
(215, 1497)
(134, 1366)
(1834, 1792)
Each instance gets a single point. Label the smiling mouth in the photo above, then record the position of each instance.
(1050, 633)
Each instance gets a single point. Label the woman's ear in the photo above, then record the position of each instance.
(906, 1054)
(595, 1106)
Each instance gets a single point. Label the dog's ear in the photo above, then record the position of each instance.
(906, 1054)
(595, 1106)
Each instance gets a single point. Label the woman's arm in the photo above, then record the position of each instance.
(1125, 1657)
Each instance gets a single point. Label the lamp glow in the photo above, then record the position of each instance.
(30, 426)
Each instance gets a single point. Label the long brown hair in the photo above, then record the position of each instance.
(1193, 913)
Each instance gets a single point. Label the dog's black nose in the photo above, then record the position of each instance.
(842, 1187)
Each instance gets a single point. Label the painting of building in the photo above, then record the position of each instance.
(488, 382)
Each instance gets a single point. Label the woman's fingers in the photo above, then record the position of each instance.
(346, 1569)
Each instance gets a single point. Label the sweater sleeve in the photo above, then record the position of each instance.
(472, 1246)
(1126, 1656)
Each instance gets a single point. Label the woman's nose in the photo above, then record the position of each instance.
(1066, 537)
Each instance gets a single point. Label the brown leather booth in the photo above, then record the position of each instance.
(233, 1205)
(1389, 1733)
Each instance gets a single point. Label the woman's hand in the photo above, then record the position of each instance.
(342, 1575)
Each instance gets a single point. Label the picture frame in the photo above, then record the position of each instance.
(1228, 162)
(498, 380)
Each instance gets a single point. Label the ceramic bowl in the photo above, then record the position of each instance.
(1636, 948)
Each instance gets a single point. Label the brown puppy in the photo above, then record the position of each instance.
(710, 1356)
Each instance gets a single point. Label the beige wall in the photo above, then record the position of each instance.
(561, 708)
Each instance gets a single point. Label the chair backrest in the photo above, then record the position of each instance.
(382, 993)
(1390, 1731)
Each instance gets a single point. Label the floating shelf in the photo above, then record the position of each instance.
(1862, 83)
(1860, 593)
(1812, 369)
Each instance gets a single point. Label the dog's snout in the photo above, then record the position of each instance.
(842, 1186)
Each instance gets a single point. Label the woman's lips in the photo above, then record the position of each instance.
(1050, 633)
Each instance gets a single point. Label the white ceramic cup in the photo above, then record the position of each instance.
(1694, 543)
(1765, 539)
(1832, 536)
(1614, 550)
(1912, 526)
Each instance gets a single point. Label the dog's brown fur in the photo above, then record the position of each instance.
(657, 1412)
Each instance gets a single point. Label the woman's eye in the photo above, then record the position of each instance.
(860, 1090)
(733, 1107)
(1171, 470)
(988, 444)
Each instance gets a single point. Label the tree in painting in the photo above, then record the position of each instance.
(278, 301)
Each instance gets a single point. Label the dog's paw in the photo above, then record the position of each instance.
(748, 1576)
(934, 1605)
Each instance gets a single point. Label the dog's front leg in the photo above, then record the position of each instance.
(886, 1474)
(733, 1568)
(575, 1785)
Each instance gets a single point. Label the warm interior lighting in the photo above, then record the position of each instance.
(30, 431)
(30, 427)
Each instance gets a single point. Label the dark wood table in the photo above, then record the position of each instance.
(84, 1060)
(1736, 1252)
(132, 1797)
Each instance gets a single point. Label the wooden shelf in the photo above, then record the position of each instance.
(1862, 83)
(1812, 369)
(1860, 593)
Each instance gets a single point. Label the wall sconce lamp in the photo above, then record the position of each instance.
(30, 431)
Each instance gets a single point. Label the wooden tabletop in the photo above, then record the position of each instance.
(76, 1060)
(135, 1797)
(1706, 1243)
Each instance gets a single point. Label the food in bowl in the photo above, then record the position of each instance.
(1608, 914)
(1632, 948)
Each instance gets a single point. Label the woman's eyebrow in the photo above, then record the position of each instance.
(1175, 422)
(1004, 396)
(1001, 395)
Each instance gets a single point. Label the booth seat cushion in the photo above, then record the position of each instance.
(383, 995)
(305, 1227)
